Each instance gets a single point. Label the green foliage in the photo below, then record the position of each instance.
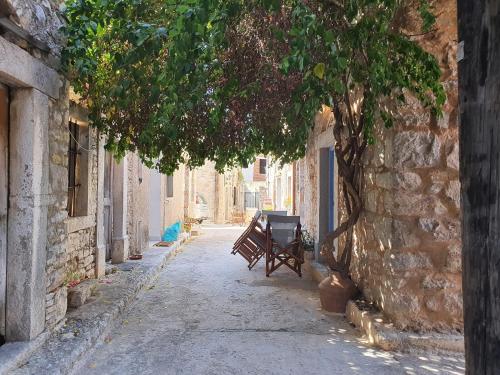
(307, 240)
(181, 81)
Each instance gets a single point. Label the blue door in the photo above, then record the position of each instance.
(331, 190)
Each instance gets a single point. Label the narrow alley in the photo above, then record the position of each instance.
(213, 316)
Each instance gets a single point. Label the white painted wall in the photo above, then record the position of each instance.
(155, 220)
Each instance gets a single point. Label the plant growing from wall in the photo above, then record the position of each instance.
(182, 81)
(73, 278)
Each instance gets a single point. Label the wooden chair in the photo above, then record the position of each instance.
(266, 213)
(251, 244)
(284, 244)
(254, 221)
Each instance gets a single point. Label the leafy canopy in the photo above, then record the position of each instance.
(181, 81)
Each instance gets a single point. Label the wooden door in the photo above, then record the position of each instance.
(108, 203)
(479, 89)
(4, 133)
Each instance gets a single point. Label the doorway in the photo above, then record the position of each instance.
(4, 178)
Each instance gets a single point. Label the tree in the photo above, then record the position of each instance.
(479, 90)
(187, 80)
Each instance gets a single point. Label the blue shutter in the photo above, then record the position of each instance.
(331, 190)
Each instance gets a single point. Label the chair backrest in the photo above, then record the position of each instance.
(266, 213)
(283, 228)
(277, 213)
(251, 227)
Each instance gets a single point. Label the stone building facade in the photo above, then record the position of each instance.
(223, 192)
(202, 184)
(169, 198)
(407, 256)
(258, 180)
(76, 259)
(66, 205)
(282, 185)
(229, 206)
(34, 234)
(138, 205)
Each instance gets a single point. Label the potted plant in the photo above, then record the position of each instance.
(307, 241)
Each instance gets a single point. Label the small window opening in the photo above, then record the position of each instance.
(262, 166)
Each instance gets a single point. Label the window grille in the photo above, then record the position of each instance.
(73, 156)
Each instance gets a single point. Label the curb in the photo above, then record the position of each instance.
(382, 333)
(387, 337)
(15, 353)
(61, 351)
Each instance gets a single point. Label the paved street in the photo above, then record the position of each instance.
(207, 314)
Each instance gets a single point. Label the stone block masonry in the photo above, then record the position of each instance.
(71, 241)
(81, 252)
(37, 170)
(57, 215)
(24, 65)
(407, 255)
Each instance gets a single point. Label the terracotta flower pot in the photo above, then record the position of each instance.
(335, 291)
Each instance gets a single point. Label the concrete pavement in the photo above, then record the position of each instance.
(208, 314)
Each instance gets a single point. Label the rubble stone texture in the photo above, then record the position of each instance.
(71, 242)
(71, 248)
(40, 18)
(79, 294)
(407, 241)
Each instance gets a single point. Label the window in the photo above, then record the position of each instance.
(72, 167)
(262, 166)
(170, 186)
(235, 196)
(78, 147)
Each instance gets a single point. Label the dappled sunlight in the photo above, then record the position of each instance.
(362, 356)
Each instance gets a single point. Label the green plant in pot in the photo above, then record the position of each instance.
(307, 241)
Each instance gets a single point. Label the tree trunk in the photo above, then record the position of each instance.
(479, 89)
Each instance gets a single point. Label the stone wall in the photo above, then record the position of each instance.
(205, 185)
(407, 256)
(40, 18)
(57, 241)
(81, 253)
(138, 205)
(71, 252)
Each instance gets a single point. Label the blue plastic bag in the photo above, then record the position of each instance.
(171, 233)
